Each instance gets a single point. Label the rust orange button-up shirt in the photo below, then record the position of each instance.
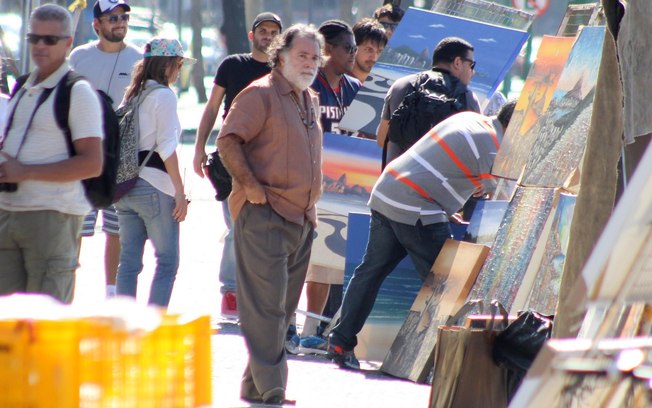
(284, 155)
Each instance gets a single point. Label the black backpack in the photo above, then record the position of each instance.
(433, 98)
(99, 190)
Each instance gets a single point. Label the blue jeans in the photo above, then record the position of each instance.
(145, 212)
(227, 264)
(389, 242)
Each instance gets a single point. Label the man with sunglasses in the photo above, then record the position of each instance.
(107, 64)
(336, 92)
(453, 66)
(42, 200)
(389, 15)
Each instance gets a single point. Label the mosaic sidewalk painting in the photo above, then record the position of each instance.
(410, 50)
(533, 101)
(563, 129)
(515, 242)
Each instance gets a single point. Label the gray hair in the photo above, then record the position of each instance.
(53, 12)
(283, 42)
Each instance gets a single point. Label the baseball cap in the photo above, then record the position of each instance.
(166, 47)
(267, 16)
(105, 6)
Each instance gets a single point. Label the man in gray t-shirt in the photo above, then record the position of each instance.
(453, 58)
(107, 64)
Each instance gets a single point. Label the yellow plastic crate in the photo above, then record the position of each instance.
(91, 363)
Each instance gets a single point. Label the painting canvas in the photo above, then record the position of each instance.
(397, 291)
(517, 236)
(562, 131)
(410, 50)
(545, 290)
(485, 221)
(329, 245)
(350, 166)
(442, 294)
(533, 101)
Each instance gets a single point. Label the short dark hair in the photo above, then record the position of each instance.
(391, 11)
(504, 115)
(450, 48)
(333, 29)
(369, 29)
(283, 42)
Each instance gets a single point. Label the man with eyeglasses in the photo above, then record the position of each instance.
(453, 66)
(42, 200)
(107, 64)
(336, 92)
(389, 15)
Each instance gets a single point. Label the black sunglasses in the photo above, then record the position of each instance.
(112, 19)
(388, 25)
(350, 49)
(471, 61)
(47, 39)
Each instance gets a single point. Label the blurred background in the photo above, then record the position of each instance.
(212, 29)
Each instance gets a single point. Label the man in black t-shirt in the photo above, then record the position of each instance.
(234, 74)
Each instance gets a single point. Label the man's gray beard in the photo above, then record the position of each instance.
(296, 79)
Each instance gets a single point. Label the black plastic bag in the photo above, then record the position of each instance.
(219, 176)
(517, 346)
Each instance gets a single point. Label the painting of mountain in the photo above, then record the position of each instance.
(563, 129)
(410, 51)
(533, 102)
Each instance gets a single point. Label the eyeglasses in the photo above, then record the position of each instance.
(471, 61)
(112, 19)
(350, 49)
(47, 39)
(388, 25)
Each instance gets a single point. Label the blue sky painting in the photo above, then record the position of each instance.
(410, 50)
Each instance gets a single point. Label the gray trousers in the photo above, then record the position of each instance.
(272, 256)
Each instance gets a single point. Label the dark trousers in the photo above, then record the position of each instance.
(272, 257)
(389, 242)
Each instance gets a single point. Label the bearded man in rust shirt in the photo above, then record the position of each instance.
(271, 144)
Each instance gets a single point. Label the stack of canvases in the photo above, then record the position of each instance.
(541, 154)
(594, 370)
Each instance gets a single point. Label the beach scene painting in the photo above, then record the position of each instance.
(410, 50)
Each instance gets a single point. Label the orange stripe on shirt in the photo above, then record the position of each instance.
(451, 154)
(405, 180)
(492, 133)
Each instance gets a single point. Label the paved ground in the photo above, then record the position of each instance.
(313, 381)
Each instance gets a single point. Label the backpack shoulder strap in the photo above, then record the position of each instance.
(62, 105)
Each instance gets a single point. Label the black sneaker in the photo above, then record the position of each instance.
(343, 358)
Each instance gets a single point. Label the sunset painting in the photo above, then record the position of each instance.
(533, 102)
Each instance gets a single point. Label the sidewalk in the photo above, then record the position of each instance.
(313, 381)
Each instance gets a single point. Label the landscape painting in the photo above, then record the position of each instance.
(350, 167)
(410, 50)
(545, 290)
(533, 102)
(563, 129)
(515, 242)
